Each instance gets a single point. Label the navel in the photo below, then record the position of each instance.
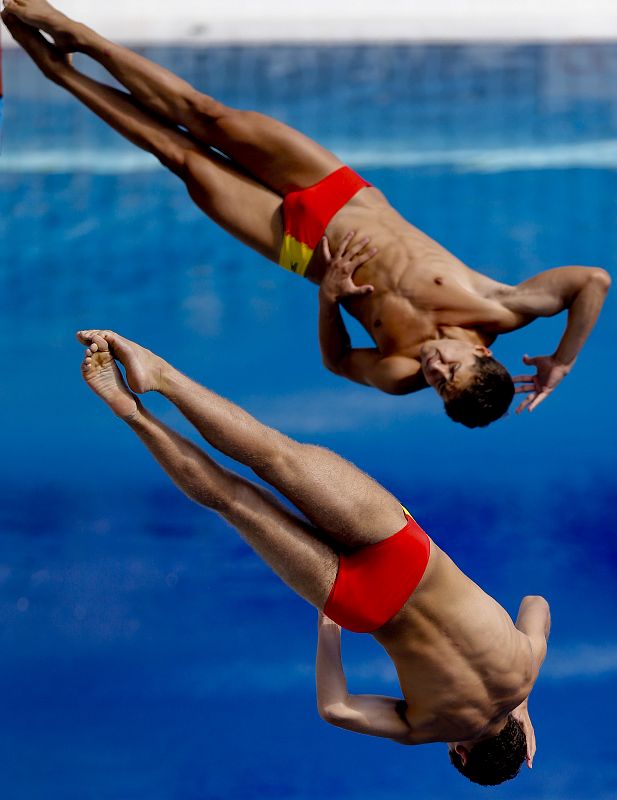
(438, 281)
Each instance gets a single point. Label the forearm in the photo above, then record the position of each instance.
(583, 313)
(334, 339)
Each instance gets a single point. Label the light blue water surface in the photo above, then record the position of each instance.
(146, 653)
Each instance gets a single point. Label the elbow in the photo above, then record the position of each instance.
(333, 366)
(535, 598)
(334, 713)
(600, 278)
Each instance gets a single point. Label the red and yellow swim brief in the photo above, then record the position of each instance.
(307, 212)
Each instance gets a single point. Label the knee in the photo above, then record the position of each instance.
(217, 491)
(175, 156)
(206, 108)
(281, 457)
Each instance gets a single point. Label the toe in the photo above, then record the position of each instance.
(99, 341)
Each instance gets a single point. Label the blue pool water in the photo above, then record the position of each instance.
(145, 651)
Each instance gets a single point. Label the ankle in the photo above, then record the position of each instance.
(168, 379)
(136, 418)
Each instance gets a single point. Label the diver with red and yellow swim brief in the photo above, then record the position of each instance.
(307, 212)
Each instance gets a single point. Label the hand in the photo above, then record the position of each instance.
(340, 267)
(521, 715)
(549, 373)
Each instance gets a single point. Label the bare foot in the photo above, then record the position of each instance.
(102, 375)
(143, 368)
(46, 56)
(42, 15)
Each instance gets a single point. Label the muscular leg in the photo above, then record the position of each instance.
(277, 155)
(339, 499)
(244, 208)
(291, 547)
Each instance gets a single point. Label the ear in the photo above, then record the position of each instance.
(463, 752)
(482, 350)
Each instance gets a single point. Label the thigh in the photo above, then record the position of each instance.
(352, 508)
(249, 211)
(291, 547)
(279, 156)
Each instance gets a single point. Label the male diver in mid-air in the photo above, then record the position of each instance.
(465, 669)
(431, 317)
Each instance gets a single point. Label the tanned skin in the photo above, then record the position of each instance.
(428, 314)
(463, 665)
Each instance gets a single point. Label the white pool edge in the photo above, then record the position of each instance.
(438, 22)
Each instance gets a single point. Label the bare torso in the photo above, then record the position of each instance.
(461, 662)
(422, 291)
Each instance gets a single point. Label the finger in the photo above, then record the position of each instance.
(523, 378)
(358, 247)
(366, 288)
(540, 398)
(531, 748)
(340, 250)
(364, 257)
(529, 359)
(325, 249)
(526, 387)
(525, 403)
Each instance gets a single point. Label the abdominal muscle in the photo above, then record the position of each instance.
(419, 285)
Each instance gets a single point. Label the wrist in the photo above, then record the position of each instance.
(328, 296)
(563, 363)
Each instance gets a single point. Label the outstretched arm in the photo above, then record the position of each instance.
(393, 374)
(374, 715)
(534, 620)
(580, 290)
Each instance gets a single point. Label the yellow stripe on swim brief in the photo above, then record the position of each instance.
(295, 255)
(407, 513)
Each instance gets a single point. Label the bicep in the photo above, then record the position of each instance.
(391, 374)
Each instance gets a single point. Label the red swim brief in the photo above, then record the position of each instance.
(307, 213)
(374, 582)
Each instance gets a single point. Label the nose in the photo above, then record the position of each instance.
(447, 357)
(440, 367)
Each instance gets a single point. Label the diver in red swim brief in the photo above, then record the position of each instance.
(374, 582)
(465, 669)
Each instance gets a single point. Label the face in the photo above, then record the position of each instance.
(449, 365)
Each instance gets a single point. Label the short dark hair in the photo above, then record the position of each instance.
(497, 759)
(487, 397)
